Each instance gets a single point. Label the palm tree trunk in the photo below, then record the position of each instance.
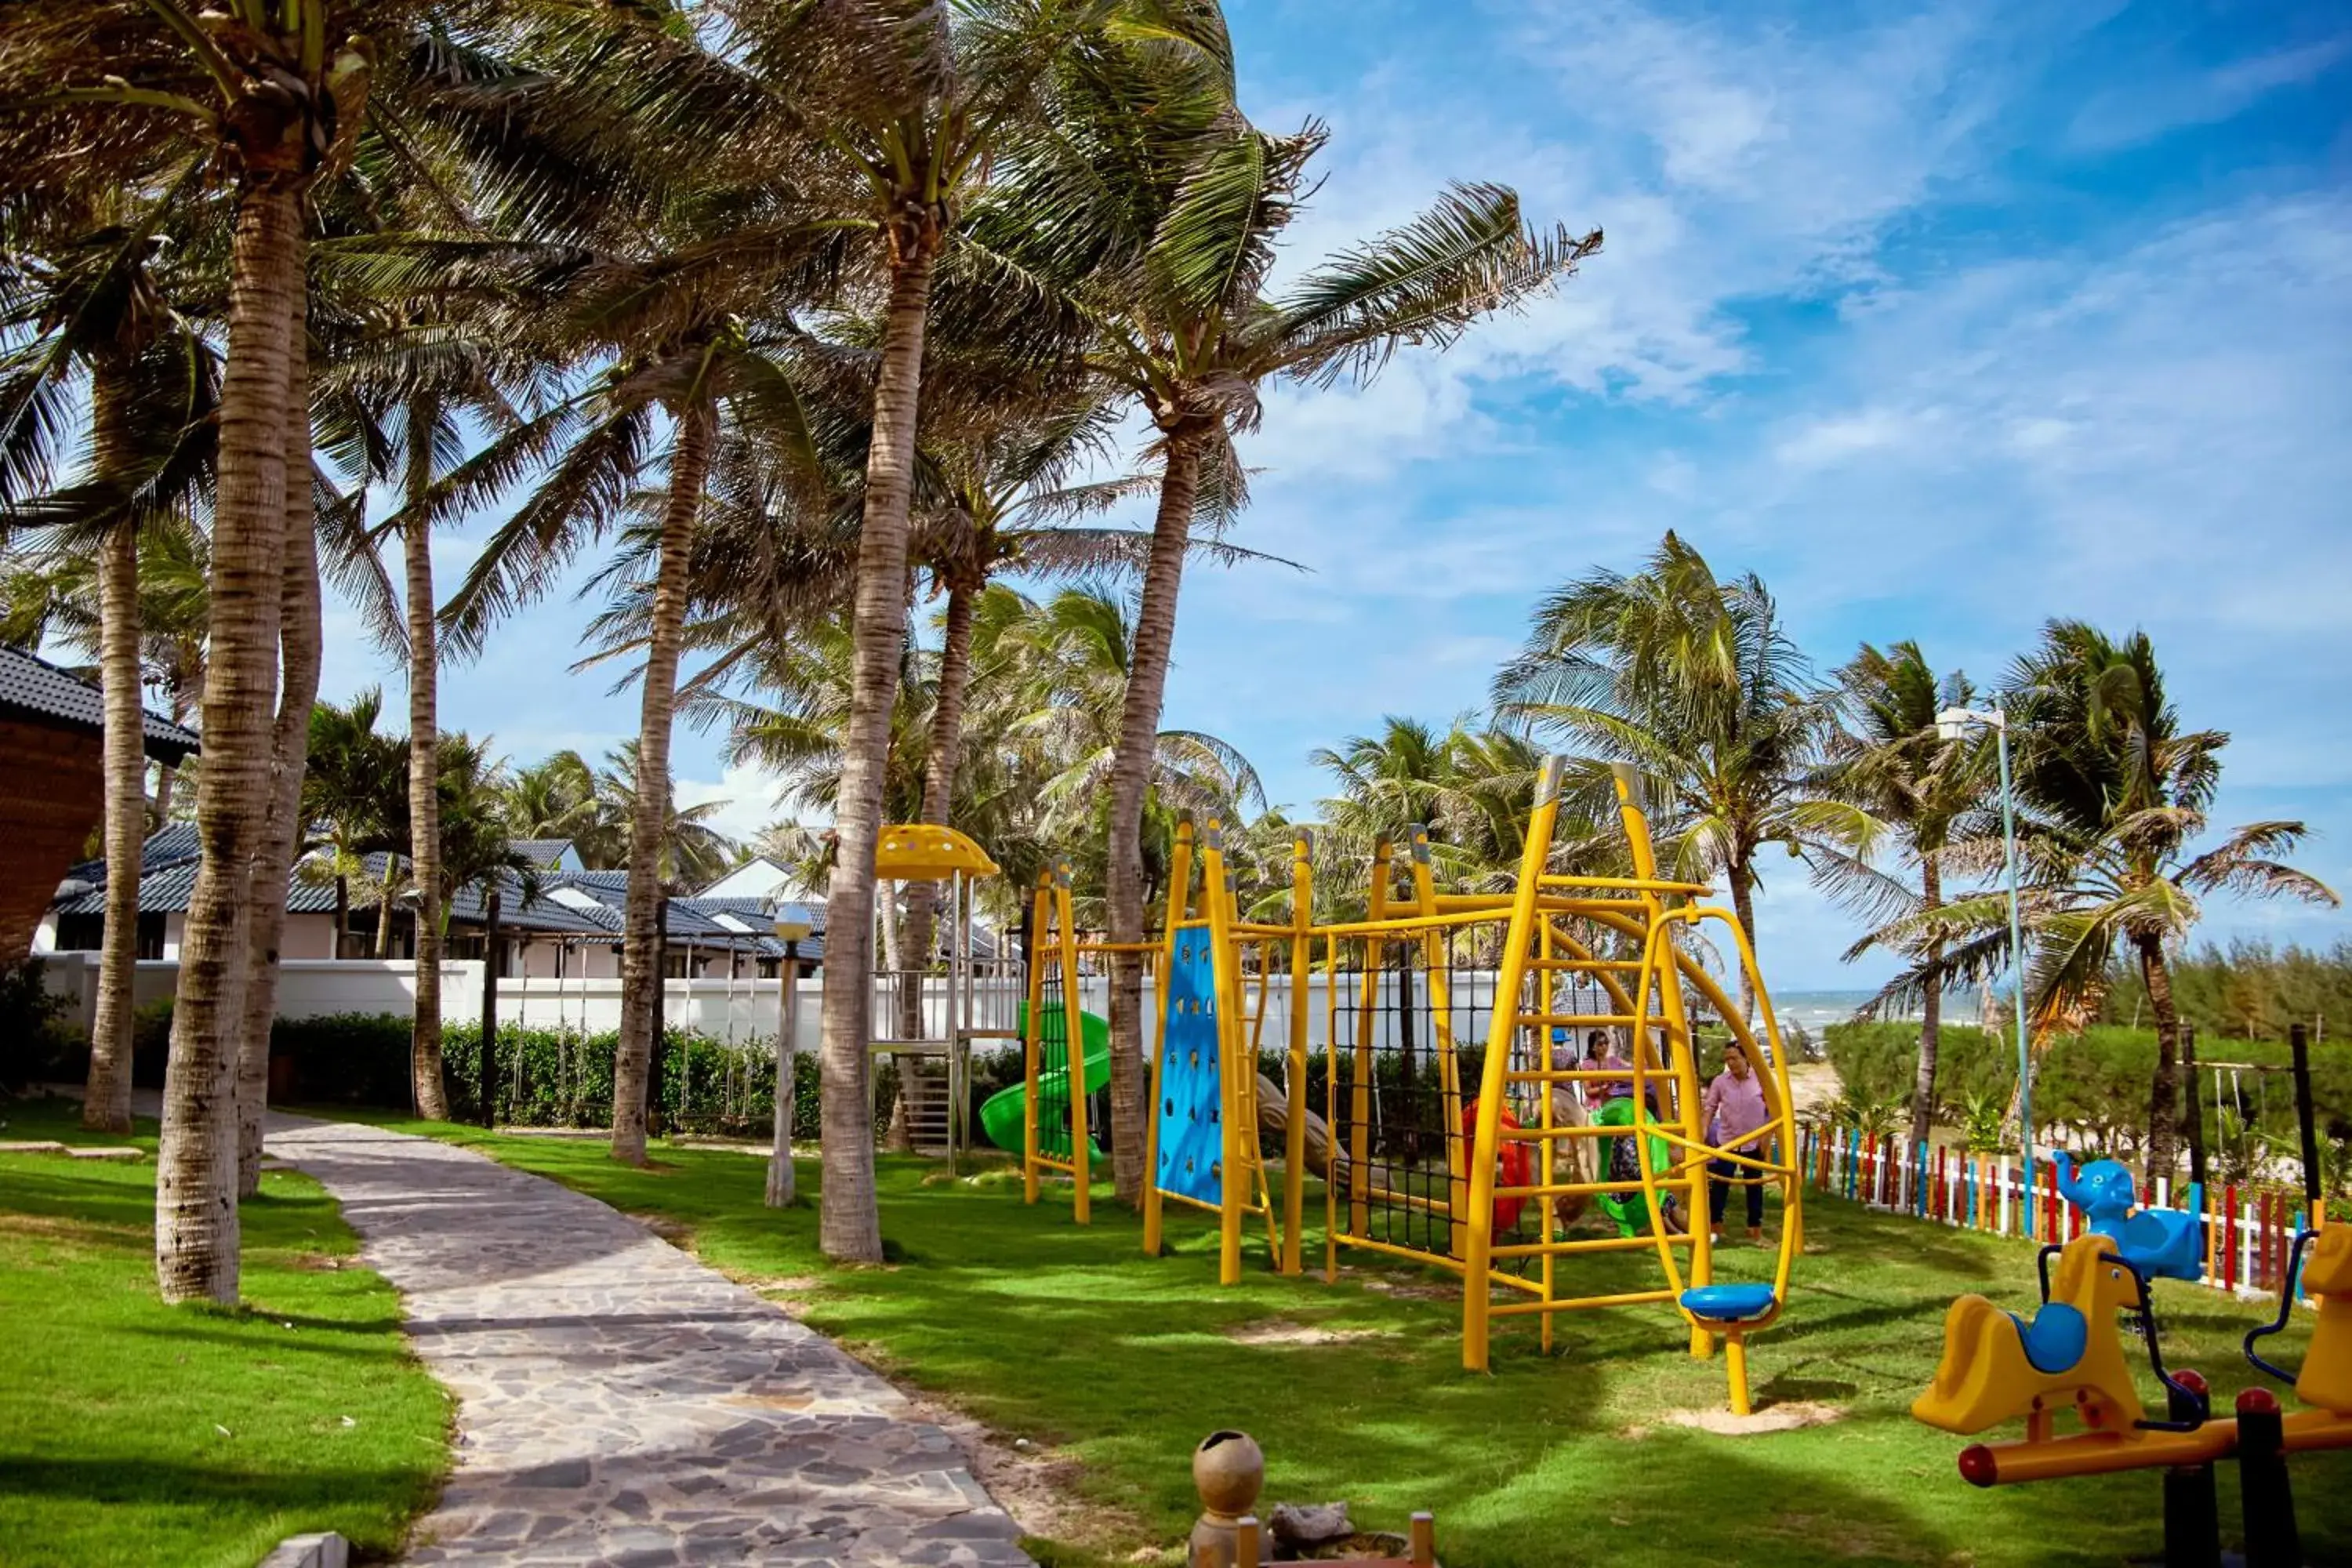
(383, 904)
(424, 767)
(195, 1164)
(299, 635)
(1743, 904)
(1931, 1010)
(641, 977)
(1130, 781)
(343, 908)
(2164, 1092)
(849, 1227)
(106, 1106)
(939, 790)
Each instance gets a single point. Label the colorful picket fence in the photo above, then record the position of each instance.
(2249, 1235)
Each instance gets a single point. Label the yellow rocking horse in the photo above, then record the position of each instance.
(1996, 1366)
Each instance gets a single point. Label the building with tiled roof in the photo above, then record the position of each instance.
(53, 784)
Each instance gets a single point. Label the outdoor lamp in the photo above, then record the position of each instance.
(1952, 724)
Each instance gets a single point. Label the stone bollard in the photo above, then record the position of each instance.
(1228, 1470)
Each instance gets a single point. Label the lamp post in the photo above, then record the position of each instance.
(791, 932)
(1952, 724)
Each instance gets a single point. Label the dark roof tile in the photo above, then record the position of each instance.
(29, 684)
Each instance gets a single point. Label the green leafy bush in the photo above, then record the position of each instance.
(343, 1059)
(32, 1047)
(2094, 1085)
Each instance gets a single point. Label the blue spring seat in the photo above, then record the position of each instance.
(1728, 1303)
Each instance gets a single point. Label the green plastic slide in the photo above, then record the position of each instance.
(1002, 1114)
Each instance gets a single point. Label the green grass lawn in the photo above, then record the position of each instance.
(1113, 1365)
(135, 1433)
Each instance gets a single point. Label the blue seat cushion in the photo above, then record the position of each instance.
(2056, 1338)
(1728, 1303)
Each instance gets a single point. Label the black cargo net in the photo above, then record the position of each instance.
(1407, 1022)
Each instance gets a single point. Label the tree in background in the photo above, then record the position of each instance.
(477, 853)
(1152, 221)
(1884, 756)
(557, 797)
(1694, 682)
(689, 853)
(355, 803)
(2116, 792)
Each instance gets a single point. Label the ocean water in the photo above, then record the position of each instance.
(1817, 1010)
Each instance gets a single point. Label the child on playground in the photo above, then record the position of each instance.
(1624, 1163)
(1733, 1105)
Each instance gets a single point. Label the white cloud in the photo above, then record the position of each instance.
(748, 794)
(2163, 102)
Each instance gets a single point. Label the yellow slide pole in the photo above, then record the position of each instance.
(1074, 1053)
(1294, 1141)
(1041, 916)
(1180, 879)
(1360, 1093)
(1677, 1027)
(1509, 982)
(1224, 967)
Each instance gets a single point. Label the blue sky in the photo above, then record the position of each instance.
(1945, 320)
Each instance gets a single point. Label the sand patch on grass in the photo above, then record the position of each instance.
(1779, 1417)
(1281, 1332)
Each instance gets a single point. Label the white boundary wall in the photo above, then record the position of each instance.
(740, 1010)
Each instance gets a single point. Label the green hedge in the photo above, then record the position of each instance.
(35, 1047)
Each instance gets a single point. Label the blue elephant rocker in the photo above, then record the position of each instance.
(2159, 1244)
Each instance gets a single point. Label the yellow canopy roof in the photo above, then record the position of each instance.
(925, 852)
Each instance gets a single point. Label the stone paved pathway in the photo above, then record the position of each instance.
(620, 1404)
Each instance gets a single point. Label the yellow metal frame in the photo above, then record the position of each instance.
(1649, 908)
(1057, 944)
(1244, 1190)
(1645, 996)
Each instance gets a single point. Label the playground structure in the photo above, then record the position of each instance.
(1449, 1133)
(934, 1061)
(1056, 1135)
(1203, 1145)
(1998, 1367)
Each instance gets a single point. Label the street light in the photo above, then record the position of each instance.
(792, 932)
(1952, 724)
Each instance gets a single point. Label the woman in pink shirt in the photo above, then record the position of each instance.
(1735, 1105)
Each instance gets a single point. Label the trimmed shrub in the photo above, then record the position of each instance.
(35, 1045)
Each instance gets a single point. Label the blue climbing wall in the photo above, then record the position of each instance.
(1191, 1132)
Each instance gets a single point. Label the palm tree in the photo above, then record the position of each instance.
(1884, 756)
(926, 99)
(2112, 794)
(677, 306)
(1473, 789)
(1150, 221)
(352, 801)
(689, 852)
(478, 851)
(300, 638)
(557, 798)
(1694, 682)
(399, 399)
(116, 92)
(97, 309)
(1010, 506)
